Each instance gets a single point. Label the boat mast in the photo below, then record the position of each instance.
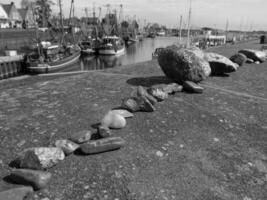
(61, 20)
(180, 29)
(188, 25)
(226, 30)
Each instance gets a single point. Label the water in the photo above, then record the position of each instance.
(138, 52)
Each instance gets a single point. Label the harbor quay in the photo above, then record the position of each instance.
(192, 147)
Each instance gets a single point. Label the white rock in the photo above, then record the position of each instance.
(113, 120)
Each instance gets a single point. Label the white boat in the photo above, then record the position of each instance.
(111, 45)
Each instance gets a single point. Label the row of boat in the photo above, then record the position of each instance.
(48, 58)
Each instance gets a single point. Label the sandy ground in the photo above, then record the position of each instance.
(210, 146)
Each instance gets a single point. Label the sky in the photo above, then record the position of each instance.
(241, 14)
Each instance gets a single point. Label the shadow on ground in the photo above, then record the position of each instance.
(149, 81)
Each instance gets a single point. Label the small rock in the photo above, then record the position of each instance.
(159, 94)
(254, 54)
(124, 113)
(239, 59)
(113, 120)
(37, 179)
(67, 146)
(21, 143)
(39, 158)
(220, 64)
(159, 154)
(81, 136)
(192, 87)
(216, 140)
(131, 104)
(142, 92)
(104, 131)
(18, 193)
(257, 62)
(102, 145)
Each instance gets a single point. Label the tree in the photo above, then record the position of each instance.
(26, 3)
(43, 11)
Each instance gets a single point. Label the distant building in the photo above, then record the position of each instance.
(13, 15)
(27, 17)
(4, 23)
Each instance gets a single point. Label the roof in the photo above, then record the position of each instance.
(7, 7)
(23, 12)
(3, 14)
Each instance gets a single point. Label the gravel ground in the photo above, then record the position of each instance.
(209, 146)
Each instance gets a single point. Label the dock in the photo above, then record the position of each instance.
(11, 66)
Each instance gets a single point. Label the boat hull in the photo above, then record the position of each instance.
(51, 67)
(111, 51)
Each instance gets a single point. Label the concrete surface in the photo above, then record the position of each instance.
(210, 146)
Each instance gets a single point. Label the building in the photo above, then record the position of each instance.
(27, 17)
(4, 22)
(14, 17)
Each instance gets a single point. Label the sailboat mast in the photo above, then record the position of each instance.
(188, 25)
(180, 29)
(61, 19)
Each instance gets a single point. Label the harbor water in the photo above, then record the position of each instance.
(134, 53)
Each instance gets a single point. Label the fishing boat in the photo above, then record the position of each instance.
(47, 57)
(52, 58)
(87, 47)
(111, 45)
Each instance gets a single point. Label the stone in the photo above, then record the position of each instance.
(18, 193)
(239, 59)
(257, 62)
(182, 65)
(102, 145)
(249, 61)
(135, 104)
(169, 88)
(67, 146)
(220, 64)
(142, 92)
(192, 87)
(255, 55)
(81, 136)
(36, 179)
(124, 113)
(39, 158)
(130, 104)
(113, 120)
(104, 131)
(158, 94)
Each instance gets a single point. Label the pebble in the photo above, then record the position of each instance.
(21, 143)
(190, 86)
(37, 179)
(81, 136)
(181, 146)
(124, 113)
(39, 158)
(158, 94)
(67, 146)
(159, 154)
(104, 131)
(113, 120)
(142, 92)
(18, 193)
(102, 145)
(216, 140)
(257, 62)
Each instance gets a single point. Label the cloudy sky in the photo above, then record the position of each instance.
(244, 14)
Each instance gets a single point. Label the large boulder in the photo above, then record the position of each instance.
(39, 158)
(181, 64)
(239, 58)
(254, 54)
(220, 64)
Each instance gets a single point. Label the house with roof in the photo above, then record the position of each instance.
(4, 22)
(13, 15)
(27, 17)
